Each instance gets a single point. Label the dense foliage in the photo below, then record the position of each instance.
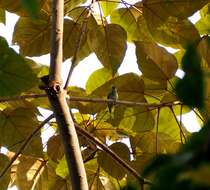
(146, 114)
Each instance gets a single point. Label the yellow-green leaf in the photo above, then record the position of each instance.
(29, 170)
(16, 76)
(135, 119)
(33, 36)
(55, 148)
(169, 30)
(108, 6)
(17, 6)
(97, 78)
(203, 25)
(4, 182)
(133, 22)
(69, 5)
(109, 44)
(62, 168)
(168, 124)
(73, 36)
(155, 62)
(15, 126)
(109, 165)
(173, 8)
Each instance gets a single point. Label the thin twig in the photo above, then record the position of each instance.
(180, 127)
(23, 146)
(22, 97)
(77, 49)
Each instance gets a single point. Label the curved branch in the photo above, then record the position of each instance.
(113, 155)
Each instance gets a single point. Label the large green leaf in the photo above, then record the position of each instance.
(32, 7)
(147, 143)
(62, 168)
(39, 174)
(74, 38)
(82, 15)
(129, 86)
(203, 25)
(2, 16)
(28, 171)
(110, 165)
(155, 62)
(96, 177)
(109, 44)
(55, 148)
(33, 36)
(154, 89)
(5, 180)
(133, 22)
(97, 78)
(167, 29)
(21, 7)
(173, 8)
(71, 4)
(133, 119)
(16, 125)
(108, 6)
(168, 125)
(16, 76)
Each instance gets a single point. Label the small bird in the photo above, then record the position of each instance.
(112, 96)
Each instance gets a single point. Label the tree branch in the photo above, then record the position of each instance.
(94, 100)
(57, 97)
(113, 155)
(23, 146)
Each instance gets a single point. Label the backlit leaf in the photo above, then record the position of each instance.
(21, 7)
(155, 62)
(167, 29)
(133, 22)
(168, 125)
(136, 119)
(15, 126)
(16, 76)
(108, 6)
(32, 7)
(55, 148)
(173, 8)
(203, 25)
(110, 165)
(97, 78)
(28, 172)
(109, 44)
(69, 5)
(33, 36)
(62, 168)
